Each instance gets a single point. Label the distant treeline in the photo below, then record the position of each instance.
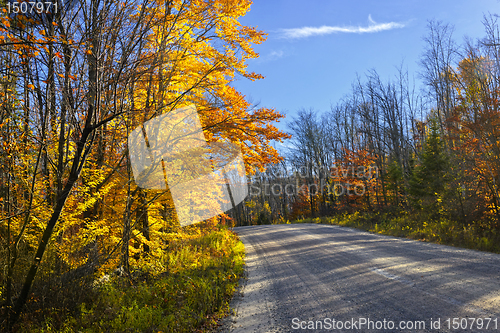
(389, 147)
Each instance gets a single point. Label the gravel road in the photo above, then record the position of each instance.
(322, 278)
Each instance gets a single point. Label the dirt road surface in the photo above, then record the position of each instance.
(323, 278)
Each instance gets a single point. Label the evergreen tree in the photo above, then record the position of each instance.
(396, 182)
(429, 180)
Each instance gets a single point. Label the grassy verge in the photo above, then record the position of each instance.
(189, 292)
(440, 231)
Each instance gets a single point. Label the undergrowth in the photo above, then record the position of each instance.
(414, 226)
(187, 290)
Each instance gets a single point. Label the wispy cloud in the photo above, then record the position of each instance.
(271, 56)
(372, 27)
(276, 54)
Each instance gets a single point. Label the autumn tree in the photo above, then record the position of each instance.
(85, 76)
(476, 123)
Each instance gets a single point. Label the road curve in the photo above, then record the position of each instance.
(321, 278)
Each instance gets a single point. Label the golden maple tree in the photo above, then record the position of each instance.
(92, 73)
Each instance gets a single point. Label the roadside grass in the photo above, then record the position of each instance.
(188, 289)
(415, 226)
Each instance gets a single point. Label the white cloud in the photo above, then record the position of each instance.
(326, 30)
(271, 56)
(371, 20)
(276, 54)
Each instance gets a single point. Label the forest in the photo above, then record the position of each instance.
(84, 248)
(398, 158)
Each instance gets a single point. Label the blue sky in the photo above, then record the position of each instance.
(315, 48)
